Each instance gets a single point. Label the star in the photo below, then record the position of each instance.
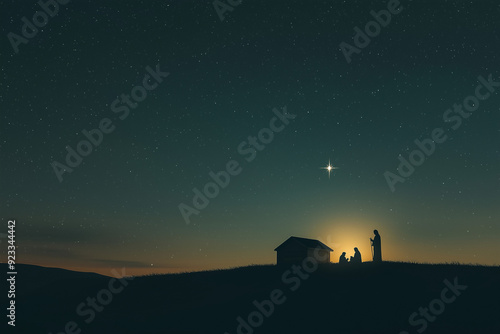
(329, 168)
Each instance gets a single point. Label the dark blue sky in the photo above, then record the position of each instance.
(120, 205)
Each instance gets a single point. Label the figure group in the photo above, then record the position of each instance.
(354, 259)
(377, 251)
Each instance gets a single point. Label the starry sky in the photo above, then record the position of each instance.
(120, 206)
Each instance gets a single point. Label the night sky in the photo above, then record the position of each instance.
(120, 206)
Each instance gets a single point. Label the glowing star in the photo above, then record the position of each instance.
(329, 168)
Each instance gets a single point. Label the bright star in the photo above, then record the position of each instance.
(329, 168)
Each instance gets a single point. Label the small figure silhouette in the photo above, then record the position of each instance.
(342, 258)
(357, 256)
(377, 248)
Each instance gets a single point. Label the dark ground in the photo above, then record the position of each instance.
(334, 299)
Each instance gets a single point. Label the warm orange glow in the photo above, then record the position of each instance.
(342, 235)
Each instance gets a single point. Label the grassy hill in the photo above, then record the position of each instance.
(367, 298)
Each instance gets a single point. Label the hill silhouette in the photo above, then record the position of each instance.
(366, 298)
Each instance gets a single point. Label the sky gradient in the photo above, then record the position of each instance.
(120, 206)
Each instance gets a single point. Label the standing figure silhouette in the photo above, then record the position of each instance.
(377, 248)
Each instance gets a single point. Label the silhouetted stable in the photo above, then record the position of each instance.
(295, 250)
(342, 258)
(377, 248)
(357, 256)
